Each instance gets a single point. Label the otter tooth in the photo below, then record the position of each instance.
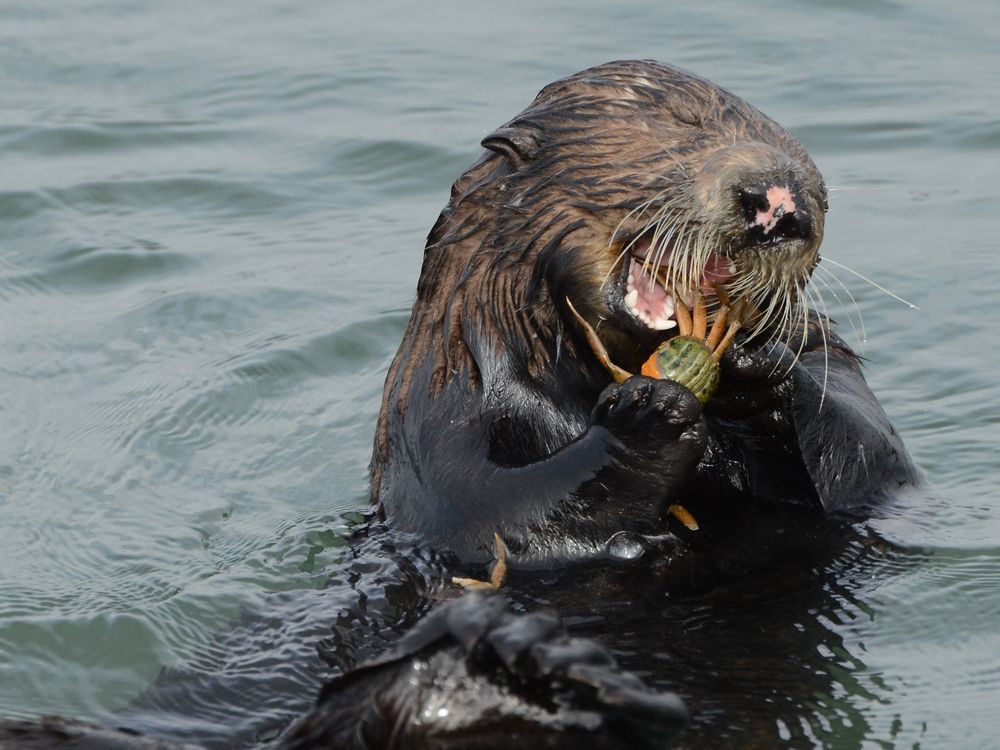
(632, 298)
(664, 324)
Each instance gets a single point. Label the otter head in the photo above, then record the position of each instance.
(630, 185)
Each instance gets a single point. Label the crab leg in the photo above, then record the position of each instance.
(726, 341)
(498, 573)
(597, 346)
(715, 335)
(700, 316)
(683, 515)
(719, 345)
(683, 315)
(722, 294)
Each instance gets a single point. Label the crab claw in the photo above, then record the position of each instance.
(597, 347)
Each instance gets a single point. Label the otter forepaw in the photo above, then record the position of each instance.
(754, 379)
(647, 413)
(766, 364)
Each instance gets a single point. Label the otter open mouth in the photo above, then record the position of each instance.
(649, 291)
(745, 242)
(661, 311)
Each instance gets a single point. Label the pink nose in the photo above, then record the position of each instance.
(779, 202)
(771, 211)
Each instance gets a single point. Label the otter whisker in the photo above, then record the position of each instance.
(786, 315)
(679, 250)
(804, 315)
(869, 281)
(773, 300)
(863, 340)
(688, 271)
(676, 263)
(706, 246)
(663, 232)
(778, 309)
(698, 261)
(823, 322)
(791, 312)
(634, 215)
(756, 297)
(694, 260)
(638, 211)
(832, 188)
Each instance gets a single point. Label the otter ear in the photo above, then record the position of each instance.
(518, 143)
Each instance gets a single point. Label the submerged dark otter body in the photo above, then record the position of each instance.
(624, 188)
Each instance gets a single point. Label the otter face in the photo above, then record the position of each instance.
(679, 187)
(746, 223)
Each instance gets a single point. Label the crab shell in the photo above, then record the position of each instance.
(687, 361)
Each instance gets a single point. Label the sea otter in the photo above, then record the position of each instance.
(627, 192)
(621, 190)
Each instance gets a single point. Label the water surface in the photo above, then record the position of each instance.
(211, 219)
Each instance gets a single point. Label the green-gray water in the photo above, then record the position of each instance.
(211, 222)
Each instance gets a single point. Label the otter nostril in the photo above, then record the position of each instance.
(792, 224)
(753, 199)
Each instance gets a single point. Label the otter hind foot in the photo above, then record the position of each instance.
(474, 674)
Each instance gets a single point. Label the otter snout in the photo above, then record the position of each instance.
(756, 194)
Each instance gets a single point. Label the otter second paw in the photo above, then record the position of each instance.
(754, 379)
(472, 674)
(757, 377)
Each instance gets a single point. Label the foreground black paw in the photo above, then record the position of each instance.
(647, 413)
(474, 675)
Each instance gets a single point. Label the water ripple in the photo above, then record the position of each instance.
(211, 221)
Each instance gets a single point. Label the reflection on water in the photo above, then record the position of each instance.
(210, 228)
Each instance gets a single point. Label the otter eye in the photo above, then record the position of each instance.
(753, 198)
